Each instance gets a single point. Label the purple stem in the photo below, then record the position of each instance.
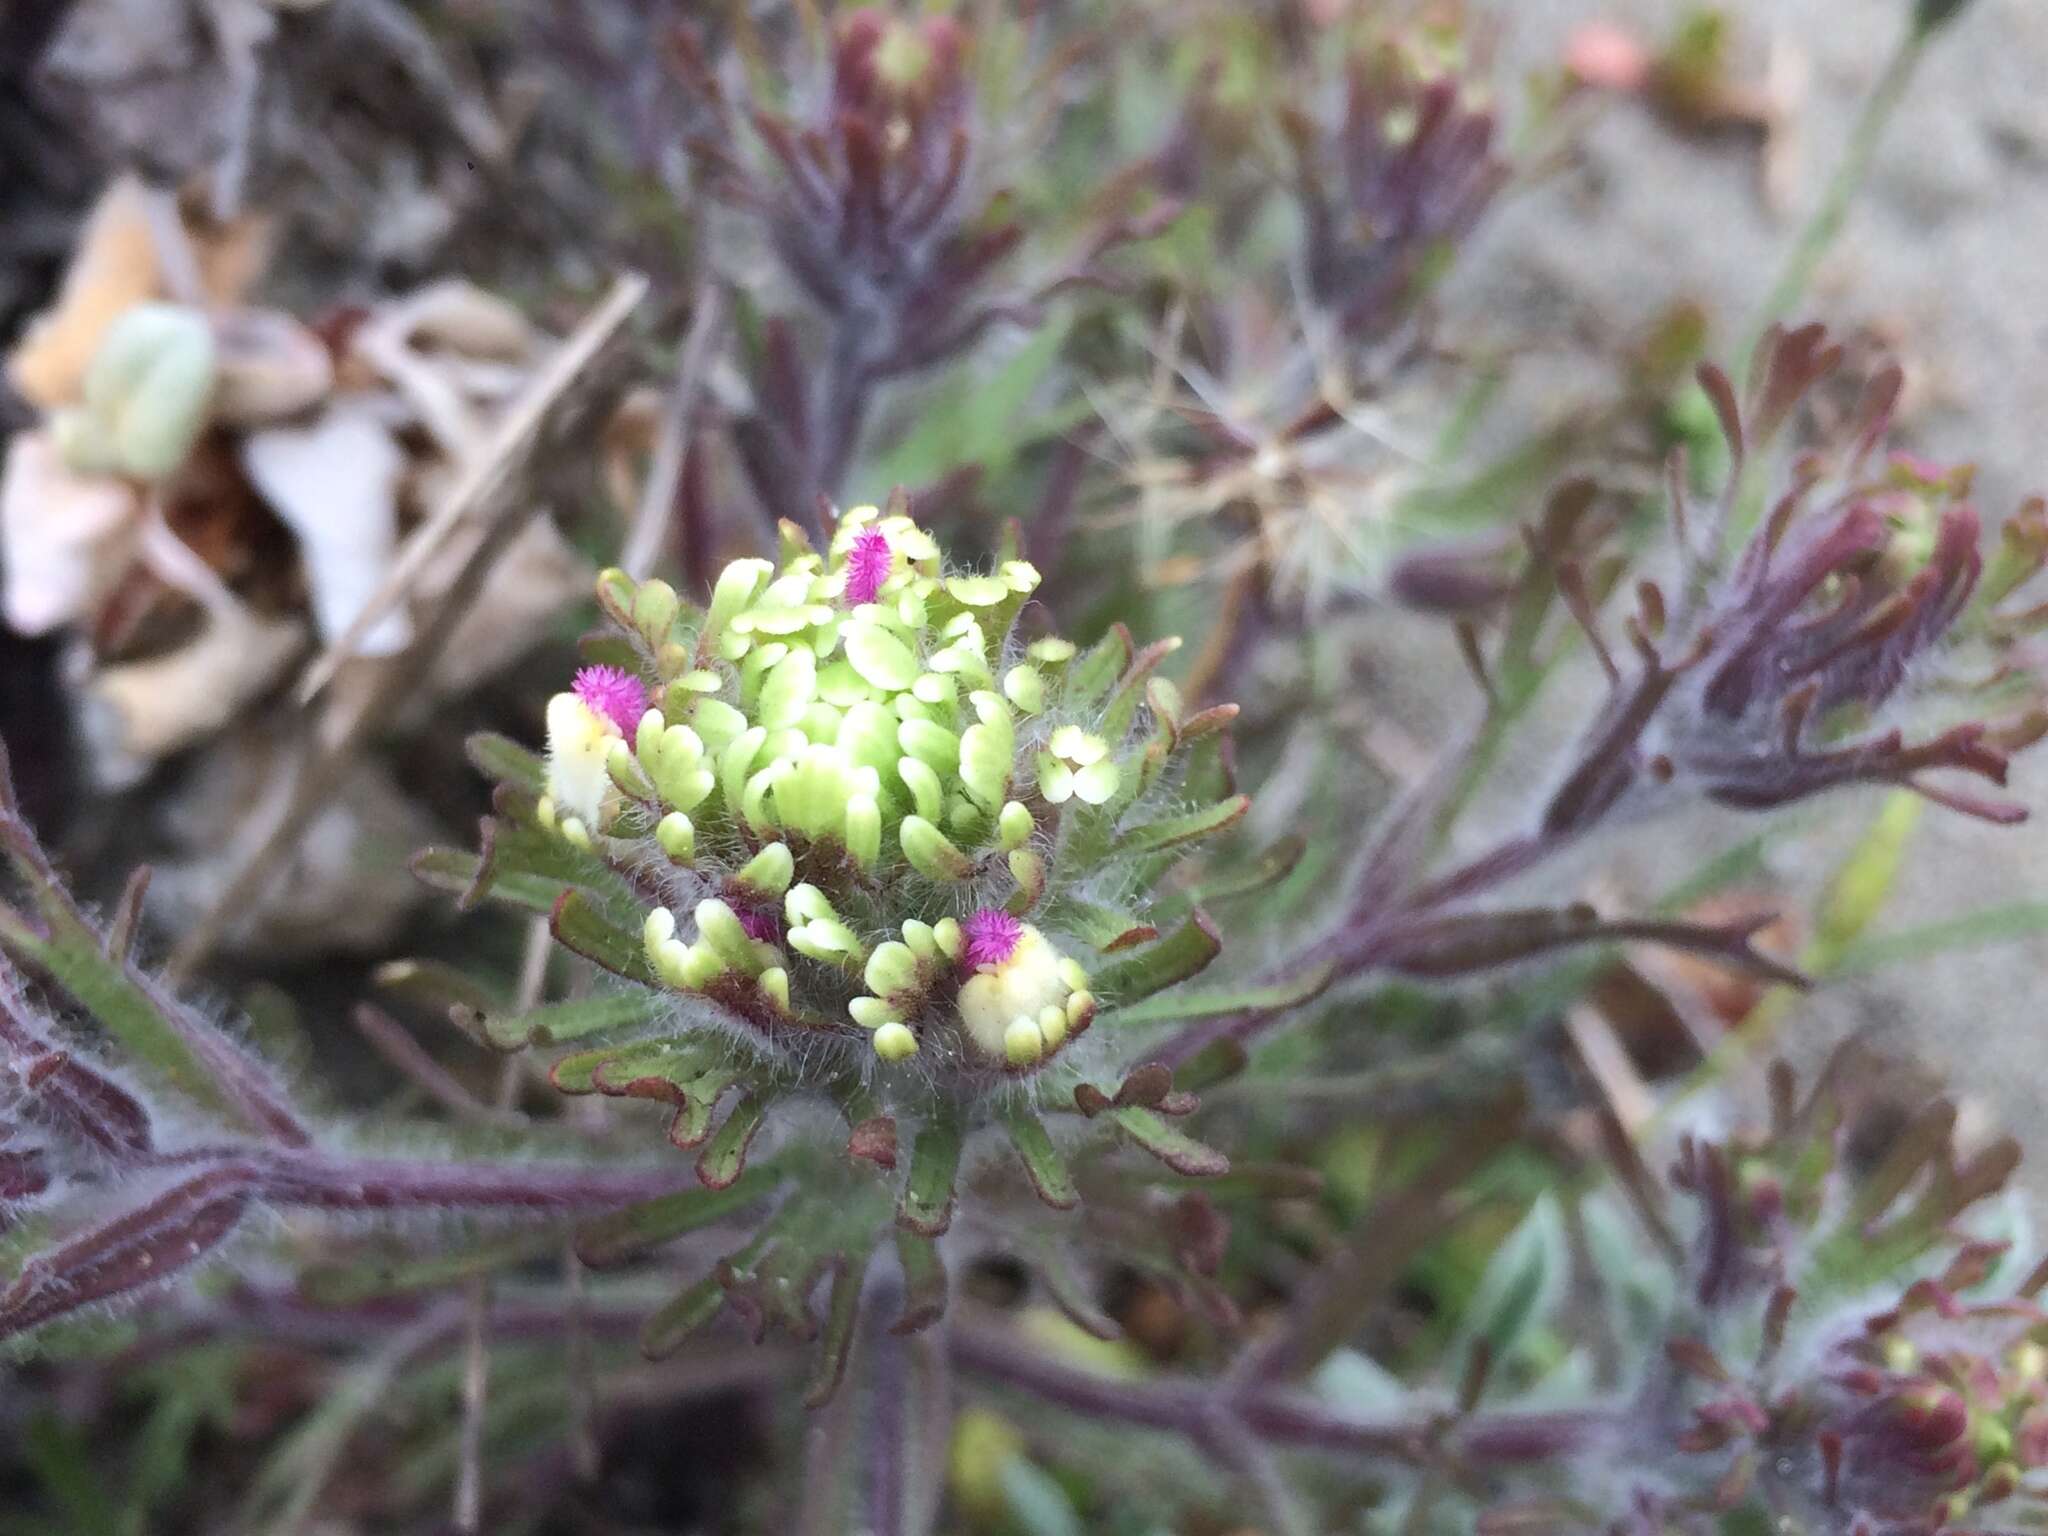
(1282, 1417)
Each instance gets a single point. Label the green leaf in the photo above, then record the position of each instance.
(580, 927)
(1036, 1503)
(1208, 1005)
(573, 1019)
(68, 1473)
(348, 1284)
(924, 1281)
(670, 1325)
(1864, 882)
(1522, 1282)
(1175, 830)
(70, 956)
(1987, 925)
(835, 1342)
(504, 761)
(1217, 1062)
(1094, 672)
(521, 864)
(927, 1203)
(620, 1235)
(1043, 1164)
(1185, 952)
(1101, 927)
(1262, 874)
(1123, 704)
(980, 420)
(1182, 1153)
(724, 1158)
(648, 1069)
(456, 871)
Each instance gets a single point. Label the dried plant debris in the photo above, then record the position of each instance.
(213, 486)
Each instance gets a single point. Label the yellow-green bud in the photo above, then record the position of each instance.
(677, 836)
(894, 1042)
(930, 852)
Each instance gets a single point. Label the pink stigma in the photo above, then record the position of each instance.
(761, 927)
(867, 566)
(617, 695)
(992, 937)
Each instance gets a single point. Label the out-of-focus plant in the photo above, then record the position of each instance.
(881, 202)
(1277, 450)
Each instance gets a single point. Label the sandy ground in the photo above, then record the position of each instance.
(1945, 257)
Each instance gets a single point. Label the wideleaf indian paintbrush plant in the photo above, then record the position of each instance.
(916, 1055)
(880, 876)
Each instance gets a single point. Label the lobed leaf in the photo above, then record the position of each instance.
(573, 1019)
(724, 1158)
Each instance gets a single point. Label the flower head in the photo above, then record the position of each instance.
(867, 566)
(828, 852)
(616, 694)
(908, 789)
(992, 936)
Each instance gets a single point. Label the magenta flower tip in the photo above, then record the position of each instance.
(614, 693)
(992, 937)
(761, 926)
(867, 566)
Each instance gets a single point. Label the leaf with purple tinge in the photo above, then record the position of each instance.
(153, 1241)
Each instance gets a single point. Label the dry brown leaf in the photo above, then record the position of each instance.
(64, 537)
(335, 484)
(146, 710)
(270, 368)
(113, 268)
